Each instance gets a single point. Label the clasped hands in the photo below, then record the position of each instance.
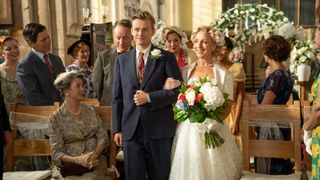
(88, 160)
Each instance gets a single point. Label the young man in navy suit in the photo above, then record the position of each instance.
(38, 70)
(142, 116)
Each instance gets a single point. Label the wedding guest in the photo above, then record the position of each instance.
(38, 70)
(76, 134)
(173, 38)
(102, 76)
(312, 129)
(275, 89)
(142, 115)
(236, 69)
(10, 89)
(5, 136)
(315, 67)
(190, 159)
(80, 51)
(311, 126)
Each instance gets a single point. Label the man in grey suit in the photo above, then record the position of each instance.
(38, 70)
(102, 75)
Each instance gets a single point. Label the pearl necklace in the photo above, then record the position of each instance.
(77, 113)
(200, 63)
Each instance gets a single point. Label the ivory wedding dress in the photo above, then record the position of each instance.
(192, 161)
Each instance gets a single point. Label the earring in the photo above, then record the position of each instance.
(67, 94)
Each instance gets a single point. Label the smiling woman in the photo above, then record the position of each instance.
(80, 51)
(11, 53)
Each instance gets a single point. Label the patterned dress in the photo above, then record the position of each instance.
(87, 74)
(315, 136)
(281, 84)
(76, 137)
(237, 71)
(10, 89)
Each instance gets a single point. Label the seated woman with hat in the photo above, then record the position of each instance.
(80, 51)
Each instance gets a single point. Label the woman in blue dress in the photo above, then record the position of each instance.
(275, 89)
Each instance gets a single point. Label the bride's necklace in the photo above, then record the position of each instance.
(205, 65)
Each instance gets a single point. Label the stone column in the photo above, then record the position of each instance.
(171, 15)
(117, 10)
(44, 14)
(59, 28)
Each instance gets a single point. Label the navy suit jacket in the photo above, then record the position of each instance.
(36, 81)
(156, 116)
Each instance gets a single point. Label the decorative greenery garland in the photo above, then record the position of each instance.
(259, 21)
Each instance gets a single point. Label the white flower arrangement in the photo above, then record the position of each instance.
(259, 21)
(303, 52)
(157, 37)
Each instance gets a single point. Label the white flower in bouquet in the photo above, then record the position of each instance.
(212, 95)
(190, 96)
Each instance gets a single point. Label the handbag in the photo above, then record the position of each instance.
(72, 169)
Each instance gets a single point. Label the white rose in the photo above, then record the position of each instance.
(301, 50)
(156, 52)
(190, 96)
(303, 59)
(310, 55)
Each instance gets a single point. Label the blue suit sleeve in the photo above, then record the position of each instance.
(29, 87)
(163, 98)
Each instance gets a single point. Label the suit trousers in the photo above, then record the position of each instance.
(1, 160)
(147, 158)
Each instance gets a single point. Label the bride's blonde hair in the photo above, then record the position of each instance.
(211, 31)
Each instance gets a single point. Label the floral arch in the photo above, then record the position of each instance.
(261, 21)
(258, 21)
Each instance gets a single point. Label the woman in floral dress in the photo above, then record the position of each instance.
(10, 89)
(76, 134)
(80, 51)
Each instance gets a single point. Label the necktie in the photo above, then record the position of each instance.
(140, 67)
(46, 60)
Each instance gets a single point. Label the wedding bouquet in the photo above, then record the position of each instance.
(202, 102)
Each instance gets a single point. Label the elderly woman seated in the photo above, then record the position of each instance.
(76, 134)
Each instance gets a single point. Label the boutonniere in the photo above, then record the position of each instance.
(155, 54)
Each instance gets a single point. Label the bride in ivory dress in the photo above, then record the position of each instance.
(190, 158)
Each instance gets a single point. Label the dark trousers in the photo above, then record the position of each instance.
(147, 158)
(1, 161)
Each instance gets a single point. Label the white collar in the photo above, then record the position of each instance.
(39, 54)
